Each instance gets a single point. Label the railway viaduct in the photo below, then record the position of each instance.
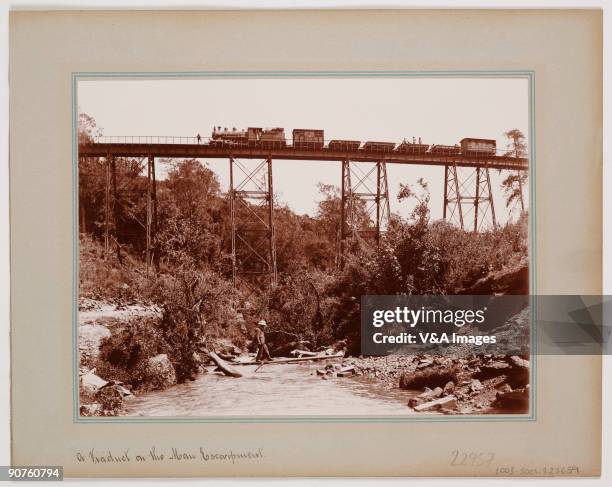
(363, 178)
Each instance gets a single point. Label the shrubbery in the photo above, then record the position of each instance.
(104, 278)
(193, 317)
(314, 303)
(124, 355)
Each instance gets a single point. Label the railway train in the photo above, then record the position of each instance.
(314, 139)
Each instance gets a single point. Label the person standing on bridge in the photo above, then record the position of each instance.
(199, 137)
(260, 337)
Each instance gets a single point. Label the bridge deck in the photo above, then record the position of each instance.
(292, 153)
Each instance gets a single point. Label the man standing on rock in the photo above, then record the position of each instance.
(262, 349)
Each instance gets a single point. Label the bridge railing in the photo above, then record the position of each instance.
(177, 139)
(149, 139)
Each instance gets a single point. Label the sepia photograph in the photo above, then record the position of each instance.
(229, 229)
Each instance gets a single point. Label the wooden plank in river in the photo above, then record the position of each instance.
(223, 365)
(291, 360)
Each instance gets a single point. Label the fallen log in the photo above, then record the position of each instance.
(226, 357)
(223, 365)
(448, 401)
(291, 360)
(303, 353)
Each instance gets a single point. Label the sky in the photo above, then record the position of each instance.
(439, 110)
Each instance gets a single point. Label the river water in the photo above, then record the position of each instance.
(274, 390)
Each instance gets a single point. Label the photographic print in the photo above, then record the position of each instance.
(229, 228)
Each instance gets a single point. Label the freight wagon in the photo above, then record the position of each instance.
(445, 150)
(478, 147)
(273, 138)
(379, 146)
(344, 145)
(308, 139)
(412, 148)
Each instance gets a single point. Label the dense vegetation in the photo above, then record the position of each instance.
(315, 302)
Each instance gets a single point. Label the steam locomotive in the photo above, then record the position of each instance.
(313, 139)
(251, 137)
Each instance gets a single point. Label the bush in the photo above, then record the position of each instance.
(110, 400)
(296, 311)
(105, 402)
(124, 355)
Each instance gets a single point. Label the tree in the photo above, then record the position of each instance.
(128, 207)
(92, 176)
(87, 129)
(328, 210)
(190, 217)
(513, 184)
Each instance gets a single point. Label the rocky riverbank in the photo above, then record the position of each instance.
(457, 383)
(104, 387)
(99, 320)
(475, 384)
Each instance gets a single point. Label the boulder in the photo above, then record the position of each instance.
(431, 394)
(449, 388)
(91, 382)
(226, 347)
(475, 386)
(161, 370)
(515, 401)
(415, 401)
(518, 374)
(519, 362)
(346, 371)
(492, 369)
